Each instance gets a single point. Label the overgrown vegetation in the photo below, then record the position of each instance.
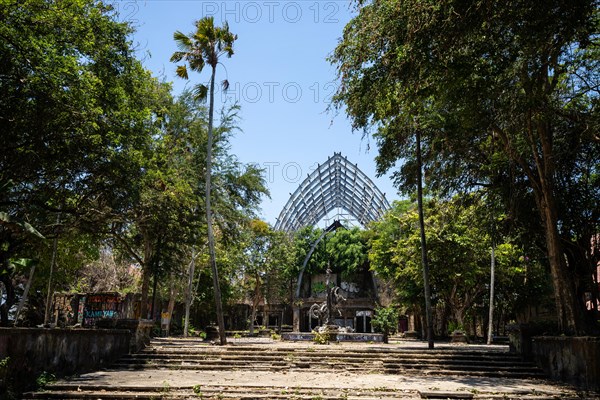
(321, 337)
(385, 321)
(114, 194)
(504, 96)
(107, 173)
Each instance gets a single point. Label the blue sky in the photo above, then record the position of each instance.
(279, 75)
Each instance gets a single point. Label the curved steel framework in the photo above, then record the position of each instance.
(337, 183)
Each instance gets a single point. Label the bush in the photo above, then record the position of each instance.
(455, 326)
(320, 337)
(385, 321)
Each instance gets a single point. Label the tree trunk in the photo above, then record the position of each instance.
(424, 261)
(25, 294)
(211, 238)
(172, 295)
(145, 290)
(188, 294)
(459, 316)
(255, 302)
(491, 313)
(148, 249)
(52, 265)
(567, 309)
(154, 288)
(6, 280)
(540, 140)
(564, 289)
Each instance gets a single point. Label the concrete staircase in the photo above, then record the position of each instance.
(319, 358)
(220, 392)
(180, 357)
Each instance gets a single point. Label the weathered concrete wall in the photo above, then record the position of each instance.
(61, 352)
(141, 331)
(575, 360)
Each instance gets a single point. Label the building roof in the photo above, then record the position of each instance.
(335, 184)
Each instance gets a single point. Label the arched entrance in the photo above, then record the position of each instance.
(335, 184)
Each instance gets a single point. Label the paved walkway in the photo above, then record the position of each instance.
(294, 379)
(305, 379)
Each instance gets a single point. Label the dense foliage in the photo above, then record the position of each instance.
(101, 170)
(385, 321)
(460, 235)
(505, 95)
(77, 114)
(110, 182)
(343, 250)
(264, 269)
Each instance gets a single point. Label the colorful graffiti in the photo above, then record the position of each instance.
(66, 309)
(100, 306)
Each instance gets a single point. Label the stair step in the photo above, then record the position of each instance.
(207, 392)
(70, 392)
(393, 361)
(171, 355)
(445, 395)
(350, 356)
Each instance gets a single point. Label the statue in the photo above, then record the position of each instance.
(325, 311)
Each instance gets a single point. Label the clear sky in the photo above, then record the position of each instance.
(279, 75)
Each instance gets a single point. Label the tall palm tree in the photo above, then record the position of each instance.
(203, 47)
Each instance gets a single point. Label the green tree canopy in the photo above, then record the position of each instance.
(343, 250)
(489, 84)
(77, 114)
(459, 242)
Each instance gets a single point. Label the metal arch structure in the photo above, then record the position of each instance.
(331, 228)
(337, 183)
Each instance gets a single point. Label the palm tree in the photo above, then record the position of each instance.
(203, 47)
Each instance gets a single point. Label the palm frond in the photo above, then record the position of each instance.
(182, 72)
(206, 30)
(228, 51)
(178, 56)
(182, 40)
(202, 47)
(200, 92)
(6, 219)
(197, 64)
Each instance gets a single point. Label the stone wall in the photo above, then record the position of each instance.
(141, 332)
(574, 360)
(62, 352)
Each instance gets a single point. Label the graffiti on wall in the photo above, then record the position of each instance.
(100, 306)
(85, 309)
(66, 308)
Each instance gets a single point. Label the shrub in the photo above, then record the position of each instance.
(385, 320)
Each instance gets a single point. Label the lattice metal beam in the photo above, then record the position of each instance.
(337, 183)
